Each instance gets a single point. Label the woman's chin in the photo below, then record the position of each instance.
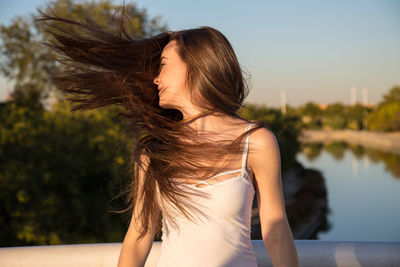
(164, 105)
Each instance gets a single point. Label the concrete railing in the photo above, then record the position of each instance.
(311, 253)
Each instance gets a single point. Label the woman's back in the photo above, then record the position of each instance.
(221, 234)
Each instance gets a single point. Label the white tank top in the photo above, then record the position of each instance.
(222, 238)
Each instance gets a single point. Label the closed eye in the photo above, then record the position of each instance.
(161, 64)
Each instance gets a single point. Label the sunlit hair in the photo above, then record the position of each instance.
(214, 77)
(109, 66)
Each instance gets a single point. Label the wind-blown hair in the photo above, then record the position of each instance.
(107, 66)
(214, 77)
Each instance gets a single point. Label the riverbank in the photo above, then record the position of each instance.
(389, 142)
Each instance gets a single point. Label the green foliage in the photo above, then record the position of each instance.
(385, 118)
(285, 127)
(311, 109)
(311, 115)
(334, 109)
(334, 122)
(59, 171)
(392, 96)
(355, 116)
(334, 116)
(29, 63)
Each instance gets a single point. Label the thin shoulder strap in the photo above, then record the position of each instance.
(246, 152)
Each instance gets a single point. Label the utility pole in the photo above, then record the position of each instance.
(365, 107)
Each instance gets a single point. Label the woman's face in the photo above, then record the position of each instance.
(172, 90)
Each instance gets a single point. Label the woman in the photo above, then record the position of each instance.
(196, 164)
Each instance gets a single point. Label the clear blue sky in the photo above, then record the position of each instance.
(313, 50)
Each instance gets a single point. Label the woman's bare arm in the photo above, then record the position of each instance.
(134, 253)
(276, 233)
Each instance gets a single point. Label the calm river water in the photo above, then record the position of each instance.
(363, 191)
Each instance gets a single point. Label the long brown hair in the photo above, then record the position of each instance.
(110, 66)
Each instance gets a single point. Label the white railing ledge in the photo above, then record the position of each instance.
(311, 253)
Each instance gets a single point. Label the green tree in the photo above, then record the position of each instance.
(392, 96)
(385, 118)
(334, 116)
(355, 116)
(58, 172)
(386, 115)
(311, 109)
(335, 122)
(29, 63)
(311, 115)
(334, 109)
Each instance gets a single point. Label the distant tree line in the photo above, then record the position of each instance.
(385, 116)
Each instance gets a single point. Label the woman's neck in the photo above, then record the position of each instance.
(212, 123)
(205, 120)
(191, 117)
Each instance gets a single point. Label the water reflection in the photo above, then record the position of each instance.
(337, 150)
(363, 189)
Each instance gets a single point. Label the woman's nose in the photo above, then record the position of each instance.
(156, 80)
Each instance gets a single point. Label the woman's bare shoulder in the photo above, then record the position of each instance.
(264, 155)
(262, 143)
(261, 137)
